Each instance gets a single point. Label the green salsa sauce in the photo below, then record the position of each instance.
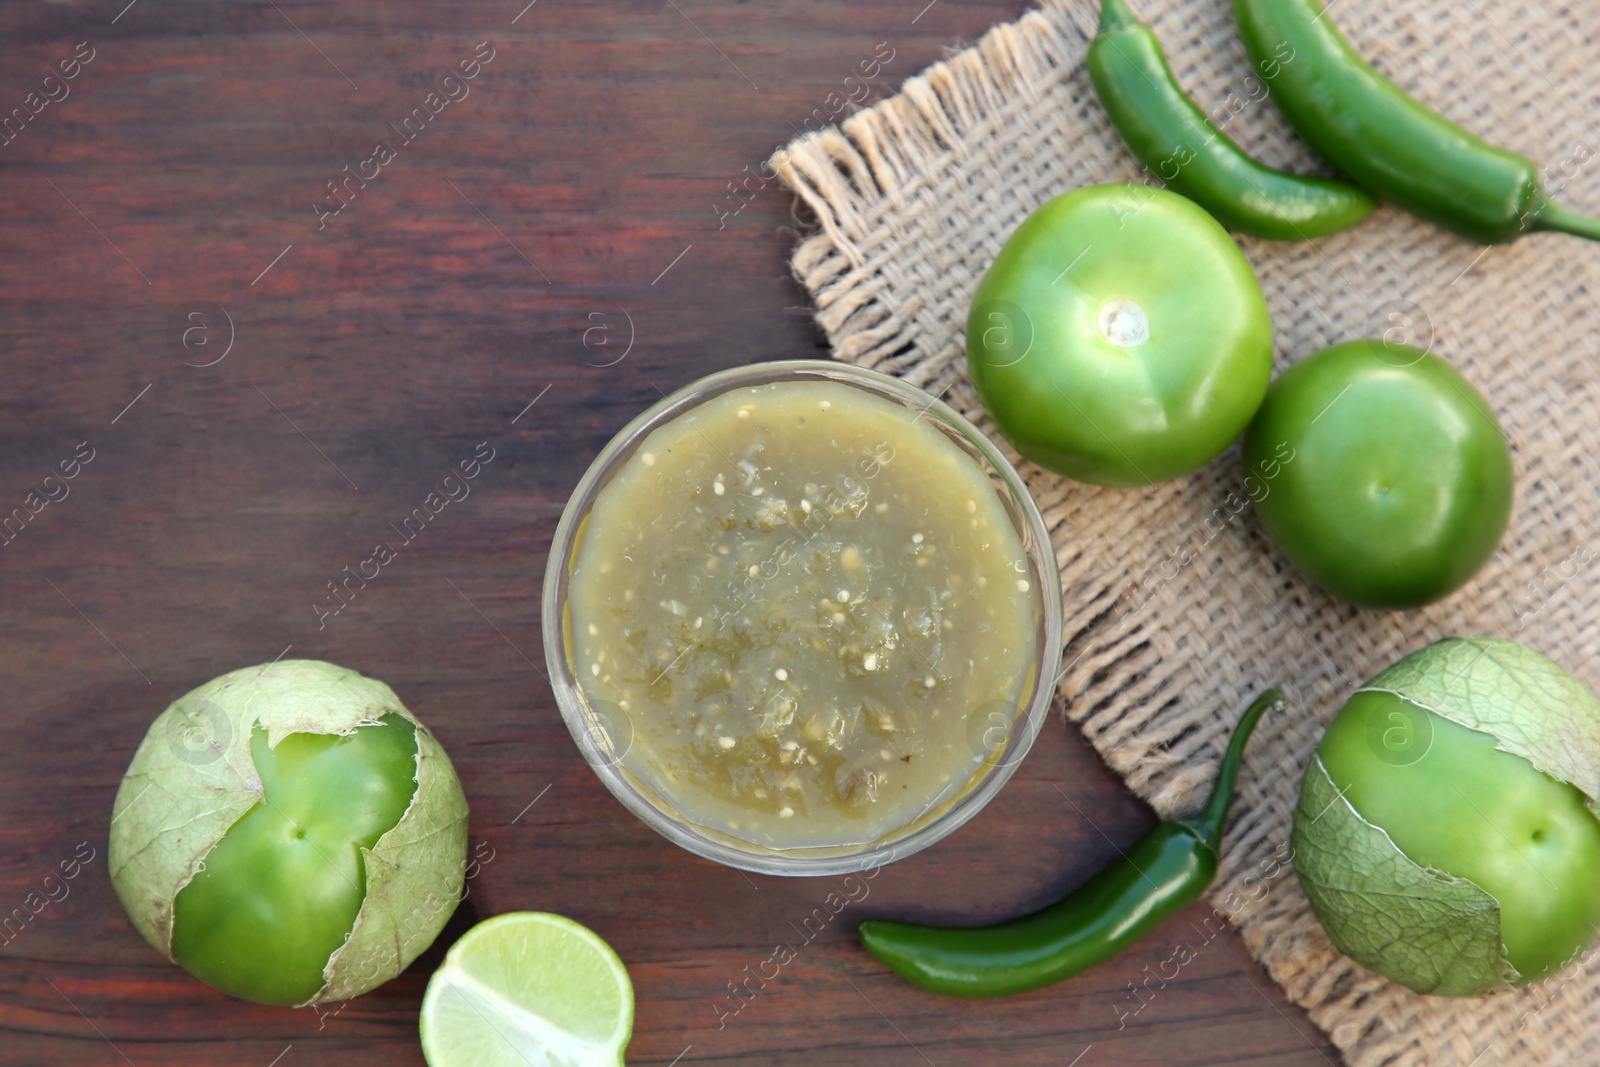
(812, 611)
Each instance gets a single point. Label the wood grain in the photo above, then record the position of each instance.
(579, 197)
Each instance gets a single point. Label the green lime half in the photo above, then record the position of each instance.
(528, 989)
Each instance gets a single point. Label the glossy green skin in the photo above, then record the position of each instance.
(1162, 873)
(1175, 140)
(1373, 131)
(1101, 918)
(1397, 484)
(1473, 811)
(281, 890)
(1072, 401)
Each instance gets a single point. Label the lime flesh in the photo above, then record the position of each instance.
(528, 989)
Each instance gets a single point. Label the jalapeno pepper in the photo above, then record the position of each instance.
(1385, 140)
(1158, 876)
(1177, 143)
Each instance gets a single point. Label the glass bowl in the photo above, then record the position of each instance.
(604, 735)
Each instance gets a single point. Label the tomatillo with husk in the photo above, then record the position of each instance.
(1120, 336)
(290, 834)
(1446, 832)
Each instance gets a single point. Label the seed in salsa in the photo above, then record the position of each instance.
(809, 605)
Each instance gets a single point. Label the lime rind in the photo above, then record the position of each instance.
(1426, 929)
(528, 989)
(1530, 704)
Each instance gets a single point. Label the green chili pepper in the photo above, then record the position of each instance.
(1166, 870)
(1370, 129)
(1175, 141)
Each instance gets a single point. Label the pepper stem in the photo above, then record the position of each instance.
(1208, 824)
(1558, 219)
(1116, 15)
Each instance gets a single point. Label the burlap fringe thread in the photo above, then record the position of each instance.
(1177, 607)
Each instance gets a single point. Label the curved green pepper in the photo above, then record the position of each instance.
(1385, 140)
(1175, 140)
(1165, 871)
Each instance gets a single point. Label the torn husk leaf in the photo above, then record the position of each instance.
(1528, 702)
(409, 896)
(1423, 928)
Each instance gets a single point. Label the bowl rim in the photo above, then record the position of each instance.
(1033, 708)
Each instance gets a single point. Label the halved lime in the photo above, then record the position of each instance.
(528, 989)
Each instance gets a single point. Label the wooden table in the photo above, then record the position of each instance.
(265, 387)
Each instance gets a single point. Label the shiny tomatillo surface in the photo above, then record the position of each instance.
(1399, 489)
(280, 892)
(1120, 337)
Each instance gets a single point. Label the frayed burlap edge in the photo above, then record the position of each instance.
(911, 200)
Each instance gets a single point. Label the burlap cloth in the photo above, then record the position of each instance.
(1178, 608)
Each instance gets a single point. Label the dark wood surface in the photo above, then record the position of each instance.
(164, 208)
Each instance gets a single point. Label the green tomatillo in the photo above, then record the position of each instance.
(289, 834)
(1446, 833)
(1400, 485)
(1120, 337)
